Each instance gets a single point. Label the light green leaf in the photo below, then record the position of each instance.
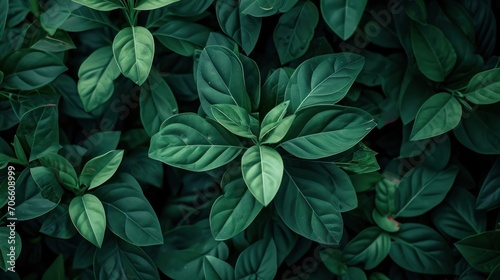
(101, 5)
(343, 16)
(262, 169)
(295, 30)
(322, 80)
(434, 54)
(234, 211)
(144, 5)
(259, 261)
(484, 87)
(369, 248)
(439, 114)
(422, 189)
(183, 37)
(235, 119)
(89, 218)
(134, 48)
(190, 142)
(273, 118)
(131, 216)
(482, 251)
(217, 269)
(96, 78)
(99, 169)
(419, 248)
(85, 18)
(324, 131)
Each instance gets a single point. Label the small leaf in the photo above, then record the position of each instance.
(99, 169)
(273, 118)
(235, 119)
(133, 48)
(343, 16)
(484, 87)
(279, 132)
(89, 218)
(482, 251)
(262, 169)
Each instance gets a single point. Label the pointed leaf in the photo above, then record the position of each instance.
(482, 251)
(89, 218)
(484, 87)
(489, 195)
(257, 261)
(235, 119)
(99, 169)
(217, 269)
(369, 248)
(343, 16)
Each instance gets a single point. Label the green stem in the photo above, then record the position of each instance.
(35, 8)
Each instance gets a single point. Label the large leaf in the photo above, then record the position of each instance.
(489, 195)
(482, 251)
(439, 114)
(96, 78)
(419, 248)
(322, 80)
(242, 28)
(131, 216)
(343, 16)
(422, 189)
(480, 132)
(28, 69)
(324, 131)
(234, 211)
(89, 218)
(434, 54)
(190, 142)
(262, 169)
(134, 48)
(259, 261)
(484, 87)
(99, 169)
(101, 5)
(144, 5)
(182, 37)
(295, 30)
(369, 248)
(220, 79)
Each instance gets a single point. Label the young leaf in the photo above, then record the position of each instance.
(489, 195)
(89, 218)
(422, 189)
(183, 37)
(484, 87)
(96, 78)
(233, 212)
(295, 30)
(99, 169)
(262, 169)
(220, 79)
(369, 248)
(242, 28)
(343, 16)
(133, 49)
(419, 248)
(131, 216)
(273, 118)
(258, 261)
(482, 251)
(434, 54)
(322, 80)
(279, 131)
(144, 5)
(101, 5)
(324, 131)
(480, 132)
(235, 119)
(439, 114)
(217, 269)
(200, 146)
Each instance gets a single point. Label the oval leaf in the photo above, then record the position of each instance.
(89, 218)
(99, 169)
(369, 248)
(235, 119)
(259, 261)
(484, 87)
(183, 37)
(343, 16)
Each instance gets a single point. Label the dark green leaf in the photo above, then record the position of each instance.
(482, 251)
(101, 5)
(369, 248)
(144, 5)
(182, 37)
(217, 269)
(259, 261)
(58, 223)
(484, 87)
(489, 195)
(5, 247)
(56, 270)
(333, 260)
(480, 132)
(343, 16)
(235, 119)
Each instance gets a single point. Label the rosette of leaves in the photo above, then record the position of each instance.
(283, 152)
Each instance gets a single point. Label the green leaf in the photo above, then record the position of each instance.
(28, 69)
(99, 143)
(144, 5)
(262, 8)
(385, 197)
(369, 248)
(480, 132)
(295, 30)
(324, 131)
(118, 259)
(322, 80)
(273, 118)
(5, 247)
(47, 183)
(489, 195)
(84, 18)
(133, 49)
(457, 217)
(217, 269)
(183, 37)
(484, 87)
(96, 78)
(137, 163)
(279, 131)
(235, 119)
(56, 270)
(131, 216)
(259, 261)
(101, 5)
(434, 54)
(89, 218)
(422, 189)
(220, 79)
(273, 90)
(4, 11)
(333, 260)
(353, 273)
(58, 223)
(99, 169)
(157, 102)
(199, 147)
(419, 248)
(439, 114)
(252, 80)
(262, 169)
(416, 10)
(482, 251)
(234, 211)
(242, 28)
(343, 16)
(30, 203)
